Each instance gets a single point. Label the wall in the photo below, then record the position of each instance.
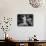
(10, 8)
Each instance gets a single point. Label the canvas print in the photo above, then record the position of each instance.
(25, 19)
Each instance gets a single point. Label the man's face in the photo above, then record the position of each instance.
(29, 20)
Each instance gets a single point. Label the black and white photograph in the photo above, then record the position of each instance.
(25, 20)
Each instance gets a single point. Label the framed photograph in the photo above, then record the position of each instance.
(25, 20)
